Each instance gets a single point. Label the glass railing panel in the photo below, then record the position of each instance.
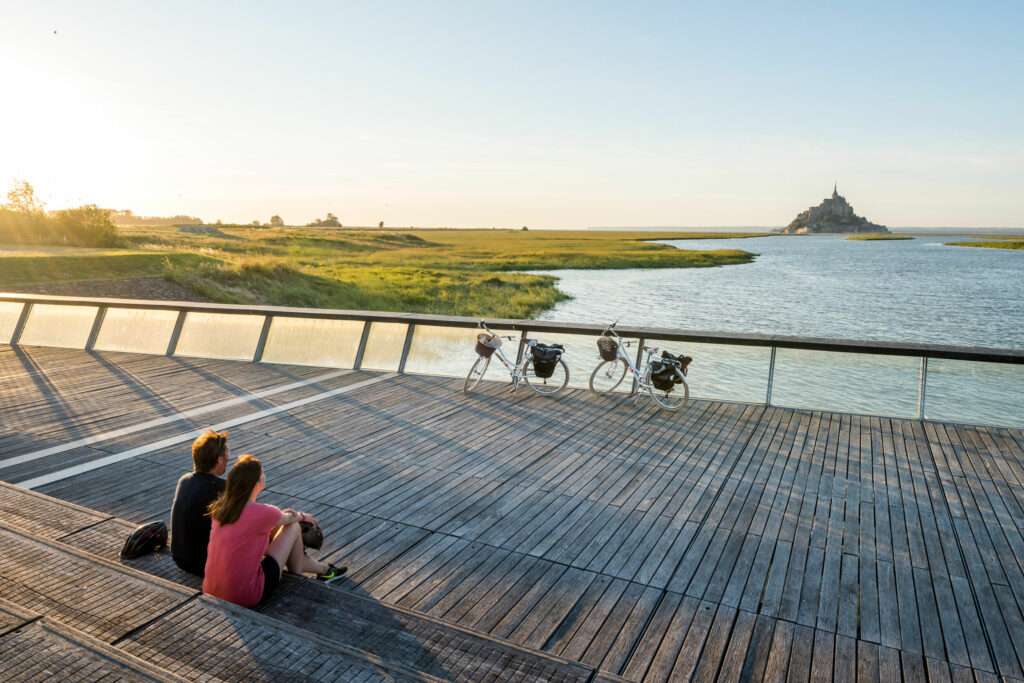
(62, 326)
(580, 355)
(450, 352)
(136, 330)
(384, 346)
(847, 382)
(10, 311)
(313, 341)
(722, 371)
(220, 335)
(975, 392)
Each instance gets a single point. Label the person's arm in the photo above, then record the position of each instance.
(290, 516)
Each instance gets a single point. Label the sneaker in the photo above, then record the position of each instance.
(332, 574)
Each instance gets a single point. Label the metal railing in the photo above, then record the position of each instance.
(182, 311)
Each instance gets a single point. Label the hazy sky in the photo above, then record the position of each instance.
(546, 114)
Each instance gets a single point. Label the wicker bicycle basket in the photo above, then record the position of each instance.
(608, 347)
(486, 344)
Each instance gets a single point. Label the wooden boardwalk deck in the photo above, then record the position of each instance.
(727, 541)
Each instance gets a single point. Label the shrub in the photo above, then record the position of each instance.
(86, 226)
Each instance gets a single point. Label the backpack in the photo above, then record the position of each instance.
(545, 358)
(145, 539)
(312, 535)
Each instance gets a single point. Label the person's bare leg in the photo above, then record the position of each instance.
(286, 548)
(299, 562)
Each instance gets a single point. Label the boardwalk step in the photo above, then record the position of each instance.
(40, 648)
(424, 643)
(170, 626)
(318, 625)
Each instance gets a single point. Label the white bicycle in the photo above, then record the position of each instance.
(541, 366)
(663, 378)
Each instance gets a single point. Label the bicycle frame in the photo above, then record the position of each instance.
(517, 371)
(639, 383)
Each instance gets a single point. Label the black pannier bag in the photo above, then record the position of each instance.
(663, 372)
(545, 358)
(662, 375)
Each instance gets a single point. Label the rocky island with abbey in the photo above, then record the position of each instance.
(833, 215)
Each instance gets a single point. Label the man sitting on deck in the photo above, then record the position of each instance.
(190, 526)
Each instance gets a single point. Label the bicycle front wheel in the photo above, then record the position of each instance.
(607, 376)
(673, 399)
(476, 373)
(547, 386)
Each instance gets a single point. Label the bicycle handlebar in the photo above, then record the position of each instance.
(483, 325)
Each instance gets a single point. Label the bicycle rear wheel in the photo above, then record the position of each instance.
(673, 399)
(607, 376)
(547, 386)
(476, 373)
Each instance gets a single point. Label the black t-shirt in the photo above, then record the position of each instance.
(190, 527)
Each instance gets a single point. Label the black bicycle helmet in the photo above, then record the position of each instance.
(312, 536)
(145, 539)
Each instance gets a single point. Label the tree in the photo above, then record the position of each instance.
(86, 226)
(256, 223)
(381, 224)
(330, 222)
(276, 221)
(22, 198)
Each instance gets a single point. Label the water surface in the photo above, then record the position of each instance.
(915, 291)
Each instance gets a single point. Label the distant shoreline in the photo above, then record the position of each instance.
(768, 230)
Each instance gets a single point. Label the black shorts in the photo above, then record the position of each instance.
(271, 576)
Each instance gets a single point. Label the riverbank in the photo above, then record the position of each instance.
(998, 243)
(872, 238)
(451, 272)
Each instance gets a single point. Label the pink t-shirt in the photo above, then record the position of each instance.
(233, 570)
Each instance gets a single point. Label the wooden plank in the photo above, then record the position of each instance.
(655, 654)
(777, 667)
(593, 611)
(732, 668)
(658, 649)
(716, 645)
(845, 668)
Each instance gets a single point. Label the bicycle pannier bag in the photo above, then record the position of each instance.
(608, 348)
(663, 372)
(662, 375)
(545, 358)
(684, 362)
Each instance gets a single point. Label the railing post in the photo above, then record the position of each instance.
(362, 345)
(405, 348)
(19, 326)
(172, 345)
(257, 355)
(521, 349)
(97, 323)
(771, 379)
(921, 387)
(639, 359)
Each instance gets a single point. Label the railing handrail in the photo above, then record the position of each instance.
(968, 353)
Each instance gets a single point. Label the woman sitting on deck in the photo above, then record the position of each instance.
(251, 542)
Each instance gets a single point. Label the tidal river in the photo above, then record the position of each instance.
(825, 286)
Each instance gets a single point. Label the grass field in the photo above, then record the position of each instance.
(83, 264)
(454, 272)
(871, 238)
